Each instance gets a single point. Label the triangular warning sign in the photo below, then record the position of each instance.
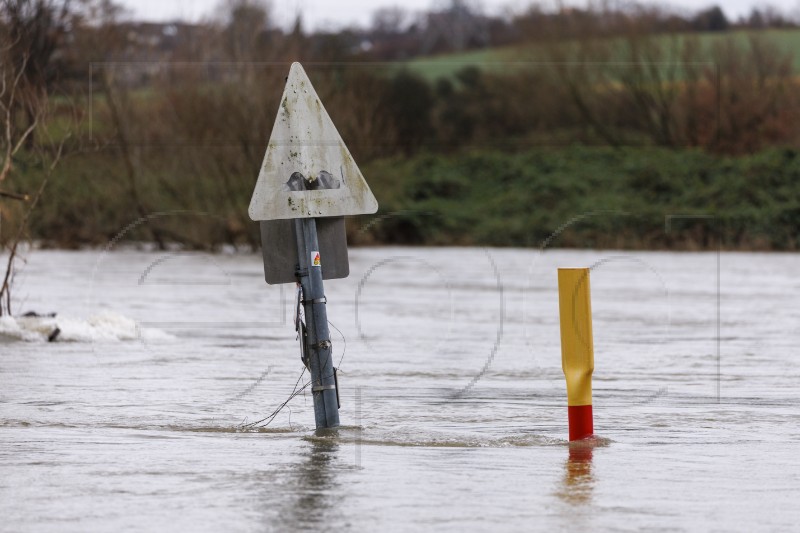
(307, 170)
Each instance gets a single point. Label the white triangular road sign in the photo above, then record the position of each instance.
(305, 141)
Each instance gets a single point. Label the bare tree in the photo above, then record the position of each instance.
(389, 21)
(580, 69)
(650, 79)
(30, 33)
(11, 103)
(246, 25)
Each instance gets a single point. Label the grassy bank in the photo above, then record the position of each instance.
(621, 198)
(609, 198)
(520, 57)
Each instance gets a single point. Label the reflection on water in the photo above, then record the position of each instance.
(315, 484)
(578, 482)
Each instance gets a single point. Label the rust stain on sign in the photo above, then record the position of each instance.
(304, 140)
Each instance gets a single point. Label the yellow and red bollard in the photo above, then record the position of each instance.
(577, 350)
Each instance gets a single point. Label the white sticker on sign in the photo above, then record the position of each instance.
(315, 259)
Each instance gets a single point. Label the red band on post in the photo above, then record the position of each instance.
(580, 421)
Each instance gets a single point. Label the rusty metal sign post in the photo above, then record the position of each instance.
(307, 184)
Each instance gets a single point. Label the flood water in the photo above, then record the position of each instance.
(453, 402)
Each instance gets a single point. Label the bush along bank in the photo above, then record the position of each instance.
(574, 196)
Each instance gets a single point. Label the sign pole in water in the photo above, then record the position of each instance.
(307, 184)
(577, 348)
(317, 337)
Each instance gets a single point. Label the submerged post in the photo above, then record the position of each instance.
(577, 348)
(317, 341)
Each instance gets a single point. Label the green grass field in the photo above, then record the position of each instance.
(503, 59)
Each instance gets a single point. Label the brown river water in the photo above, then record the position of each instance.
(453, 398)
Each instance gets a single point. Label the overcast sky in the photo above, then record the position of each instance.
(336, 14)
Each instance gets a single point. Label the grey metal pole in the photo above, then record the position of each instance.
(318, 343)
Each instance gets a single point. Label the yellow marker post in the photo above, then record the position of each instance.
(577, 349)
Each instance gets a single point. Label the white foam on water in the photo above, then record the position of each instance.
(11, 329)
(107, 326)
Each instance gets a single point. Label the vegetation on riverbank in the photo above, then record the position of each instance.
(608, 197)
(642, 128)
